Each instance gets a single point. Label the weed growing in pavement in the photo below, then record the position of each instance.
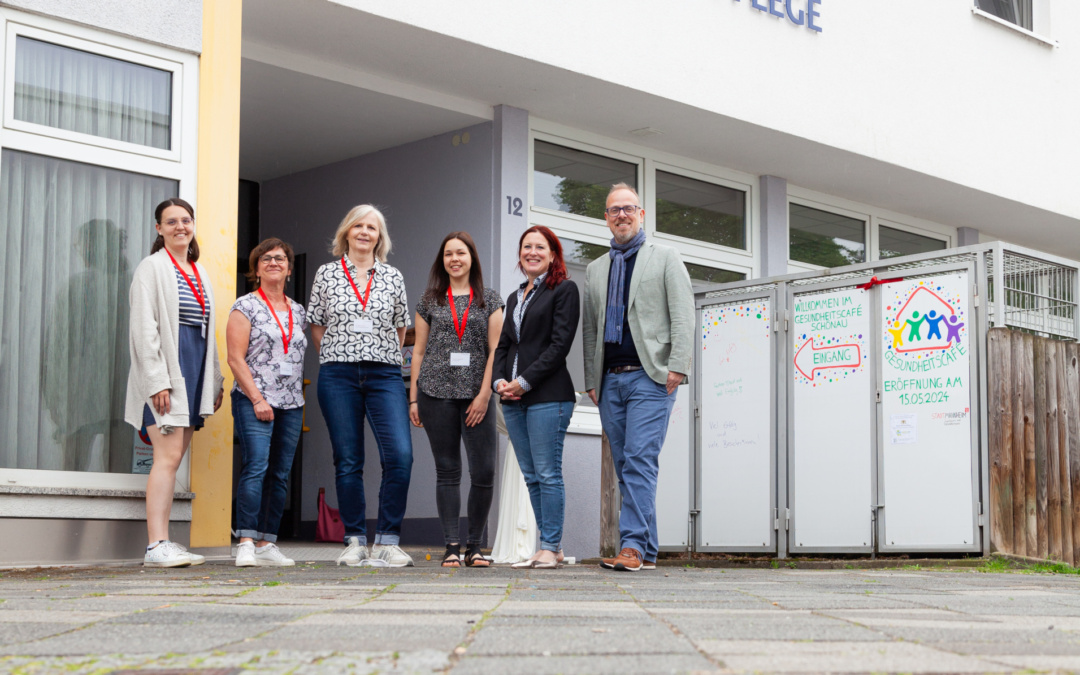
(273, 583)
(792, 564)
(775, 564)
(94, 595)
(1005, 565)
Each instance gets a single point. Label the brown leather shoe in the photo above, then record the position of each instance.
(628, 560)
(648, 565)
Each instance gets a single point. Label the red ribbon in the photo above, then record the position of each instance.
(453, 313)
(199, 293)
(367, 291)
(874, 281)
(285, 340)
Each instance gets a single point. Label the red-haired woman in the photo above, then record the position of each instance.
(532, 380)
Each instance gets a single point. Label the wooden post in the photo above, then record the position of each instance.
(1072, 389)
(609, 503)
(1053, 458)
(1001, 529)
(1031, 527)
(1063, 457)
(1039, 362)
(1016, 393)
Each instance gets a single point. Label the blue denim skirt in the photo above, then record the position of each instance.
(192, 359)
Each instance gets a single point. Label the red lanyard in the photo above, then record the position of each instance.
(367, 291)
(284, 340)
(453, 313)
(198, 294)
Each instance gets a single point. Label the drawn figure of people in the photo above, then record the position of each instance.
(934, 324)
(954, 329)
(914, 334)
(897, 332)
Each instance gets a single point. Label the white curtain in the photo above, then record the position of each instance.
(72, 235)
(1013, 11)
(79, 91)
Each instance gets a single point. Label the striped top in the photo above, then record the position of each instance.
(191, 313)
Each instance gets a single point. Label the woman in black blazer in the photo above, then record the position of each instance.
(531, 378)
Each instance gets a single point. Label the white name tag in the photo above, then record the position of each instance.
(459, 359)
(363, 325)
(203, 330)
(287, 369)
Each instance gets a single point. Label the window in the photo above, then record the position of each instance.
(711, 275)
(827, 239)
(1014, 11)
(74, 234)
(893, 243)
(574, 181)
(701, 211)
(97, 130)
(78, 91)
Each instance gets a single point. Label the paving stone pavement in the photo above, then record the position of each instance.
(319, 618)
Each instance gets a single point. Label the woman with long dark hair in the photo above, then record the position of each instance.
(175, 379)
(533, 382)
(458, 322)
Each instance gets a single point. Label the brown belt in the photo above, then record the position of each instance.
(623, 369)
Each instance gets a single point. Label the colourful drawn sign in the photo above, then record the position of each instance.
(923, 317)
(809, 361)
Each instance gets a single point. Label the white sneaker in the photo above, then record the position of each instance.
(392, 555)
(271, 556)
(166, 554)
(245, 554)
(196, 559)
(353, 553)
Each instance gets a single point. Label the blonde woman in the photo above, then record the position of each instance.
(358, 315)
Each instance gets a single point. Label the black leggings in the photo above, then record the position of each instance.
(444, 422)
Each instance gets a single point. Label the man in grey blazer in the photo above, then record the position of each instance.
(639, 335)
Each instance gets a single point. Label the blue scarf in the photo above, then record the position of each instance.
(616, 312)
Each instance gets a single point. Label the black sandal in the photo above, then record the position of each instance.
(474, 557)
(452, 557)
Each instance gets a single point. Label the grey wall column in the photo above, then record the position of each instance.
(967, 236)
(774, 226)
(510, 193)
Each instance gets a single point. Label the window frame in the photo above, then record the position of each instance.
(179, 164)
(15, 30)
(1040, 22)
(873, 217)
(648, 161)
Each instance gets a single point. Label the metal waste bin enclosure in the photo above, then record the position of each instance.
(844, 411)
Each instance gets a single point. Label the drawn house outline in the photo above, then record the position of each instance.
(947, 306)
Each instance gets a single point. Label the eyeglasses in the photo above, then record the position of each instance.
(614, 211)
(267, 259)
(172, 222)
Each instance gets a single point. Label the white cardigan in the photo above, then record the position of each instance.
(154, 338)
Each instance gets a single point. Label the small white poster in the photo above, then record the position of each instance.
(904, 428)
(142, 453)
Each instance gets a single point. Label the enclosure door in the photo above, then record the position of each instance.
(736, 437)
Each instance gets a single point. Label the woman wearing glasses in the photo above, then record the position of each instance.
(458, 322)
(175, 380)
(358, 313)
(266, 345)
(535, 386)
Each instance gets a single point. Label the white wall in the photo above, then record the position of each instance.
(924, 85)
(172, 23)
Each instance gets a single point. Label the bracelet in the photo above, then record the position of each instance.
(412, 402)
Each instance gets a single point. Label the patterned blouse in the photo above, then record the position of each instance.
(283, 388)
(334, 304)
(437, 377)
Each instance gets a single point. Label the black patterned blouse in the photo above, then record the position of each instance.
(437, 377)
(348, 337)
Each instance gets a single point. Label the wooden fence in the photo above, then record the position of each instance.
(1034, 408)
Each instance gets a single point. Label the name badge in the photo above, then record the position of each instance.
(459, 359)
(363, 325)
(287, 369)
(203, 328)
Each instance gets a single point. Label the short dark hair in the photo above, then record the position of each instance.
(264, 247)
(159, 243)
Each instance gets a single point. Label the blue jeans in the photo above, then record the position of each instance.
(537, 432)
(267, 450)
(634, 411)
(349, 392)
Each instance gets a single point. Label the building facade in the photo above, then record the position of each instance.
(765, 136)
